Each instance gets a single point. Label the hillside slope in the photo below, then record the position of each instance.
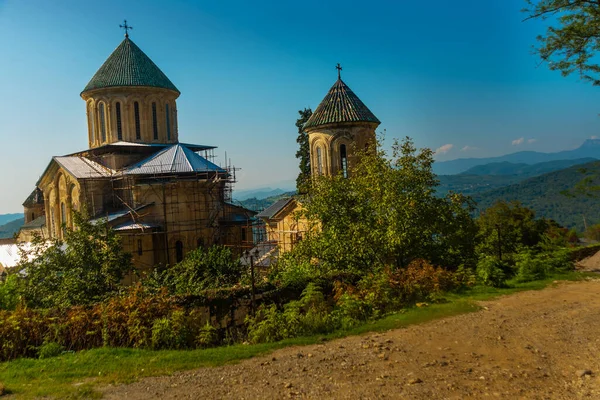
(545, 195)
(9, 229)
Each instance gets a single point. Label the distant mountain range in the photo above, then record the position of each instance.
(4, 218)
(589, 149)
(10, 228)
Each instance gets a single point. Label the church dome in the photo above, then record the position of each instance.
(340, 105)
(128, 65)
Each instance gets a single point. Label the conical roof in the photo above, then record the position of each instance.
(128, 65)
(340, 105)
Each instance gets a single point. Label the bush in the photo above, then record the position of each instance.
(530, 267)
(9, 292)
(50, 349)
(307, 316)
(208, 336)
(491, 271)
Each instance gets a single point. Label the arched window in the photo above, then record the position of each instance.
(119, 124)
(179, 251)
(32, 216)
(92, 124)
(136, 115)
(154, 121)
(140, 248)
(319, 161)
(168, 121)
(343, 160)
(102, 122)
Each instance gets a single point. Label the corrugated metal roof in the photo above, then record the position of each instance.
(81, 167)
(272, 210)
(129, 226)
(9, 255)
(174, 159)
(128, 65)
(340, 105)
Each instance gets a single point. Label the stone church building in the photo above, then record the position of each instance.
(165, 198)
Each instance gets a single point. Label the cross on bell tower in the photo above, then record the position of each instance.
(126, 27)
(339, 70)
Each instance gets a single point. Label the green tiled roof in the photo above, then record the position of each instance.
(128, 65)
(340, 105)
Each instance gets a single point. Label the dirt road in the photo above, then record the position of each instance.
(532, 345)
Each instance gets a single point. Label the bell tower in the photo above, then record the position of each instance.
(130, 99)
(340, 124)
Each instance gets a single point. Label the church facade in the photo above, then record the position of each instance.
(339, 126)
(165, 198)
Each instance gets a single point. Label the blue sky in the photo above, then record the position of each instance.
(458, 74)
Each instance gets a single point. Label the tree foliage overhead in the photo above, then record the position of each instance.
(572, 37)
(387, 213)
(303, 153)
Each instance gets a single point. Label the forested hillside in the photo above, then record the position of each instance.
(546, 195)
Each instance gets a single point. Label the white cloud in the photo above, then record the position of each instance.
(468, 148)
(444, 149)
(531, 140)
(518, 141)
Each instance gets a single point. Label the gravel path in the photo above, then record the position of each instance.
(532, 345)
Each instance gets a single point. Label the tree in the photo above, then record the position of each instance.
(303, 152)
(386, 214)
(203, 269)
(572, 38)
(506, 227)
(87, 267)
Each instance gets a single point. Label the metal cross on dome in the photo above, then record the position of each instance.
(126, 27)
(339, 69)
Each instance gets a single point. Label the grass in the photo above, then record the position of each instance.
(76, 375)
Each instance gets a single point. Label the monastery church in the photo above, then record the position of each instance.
(166, 198)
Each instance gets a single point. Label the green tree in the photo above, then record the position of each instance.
(303, 153)
(87, 267)
(387, 213)
(506, 227)
(572, 37)
(203, 269)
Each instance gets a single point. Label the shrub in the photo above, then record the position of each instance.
(50, 349)
(491, 271)
(530, 267)
(170, 332)
(208, 336)
(9, 293)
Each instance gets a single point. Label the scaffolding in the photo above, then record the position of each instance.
(162, 216)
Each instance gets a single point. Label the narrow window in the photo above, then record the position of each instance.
(136, 111)
(32, 216)
(154, 121)
(140, 249)
(200, 242)
(179, 251)
(243, 234)
(319, 161)
(344, 160)
(63, 217)
(168, 122)
(102, 122)
(119, 126)
(53, 230)
(92, 124)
